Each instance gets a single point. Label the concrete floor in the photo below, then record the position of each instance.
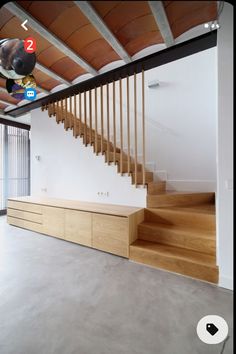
(57, 297)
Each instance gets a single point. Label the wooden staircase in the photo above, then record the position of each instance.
(178, 234)
(102, 146)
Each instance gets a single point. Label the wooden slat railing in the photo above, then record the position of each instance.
(117, 133)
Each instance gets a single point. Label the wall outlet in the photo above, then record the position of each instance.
(44, 190)
(103, 194)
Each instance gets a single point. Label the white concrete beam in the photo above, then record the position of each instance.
(103, 29)
(162, 22)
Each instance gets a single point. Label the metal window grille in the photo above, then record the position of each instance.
(14, 163)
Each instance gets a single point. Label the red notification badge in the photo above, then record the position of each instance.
(30, 45)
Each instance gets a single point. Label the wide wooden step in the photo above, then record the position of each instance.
(198, 218)
(175, 259)
(179, 236)
(168, 199)
(148, 177)
(156, 187)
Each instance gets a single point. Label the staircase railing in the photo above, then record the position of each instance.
(108, 118)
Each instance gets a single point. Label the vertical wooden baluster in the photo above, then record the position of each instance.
(62, 110)
(49, 109)
(101, 92)
(75, 118)
(90, 117)
(121, 128)
(114, 121)
(143, 125)
(108, 126)
(135, 129)
(85, 119)
(57, 112)
(128, 123)
(71, 113)
(80, 115)
(66, 114)
(96, 122)
(53, 109)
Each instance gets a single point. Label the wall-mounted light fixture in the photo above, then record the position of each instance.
(153, 83)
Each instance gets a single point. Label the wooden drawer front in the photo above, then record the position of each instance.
(53, 221)
(25, 224)
(111, 234)
(33, 208)
(25, 215)
(78, 227)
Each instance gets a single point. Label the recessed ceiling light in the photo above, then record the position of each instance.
(212, 25)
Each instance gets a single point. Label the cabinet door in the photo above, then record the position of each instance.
(78, 227)
(53, 221)
(111, 234)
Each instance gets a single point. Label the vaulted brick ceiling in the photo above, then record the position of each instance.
(132, 23)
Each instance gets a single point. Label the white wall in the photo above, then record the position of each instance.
(69, 170)
(181, 121)
(225, 148)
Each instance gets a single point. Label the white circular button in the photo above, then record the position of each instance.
(212, 329)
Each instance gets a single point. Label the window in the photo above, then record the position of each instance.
(14, 163)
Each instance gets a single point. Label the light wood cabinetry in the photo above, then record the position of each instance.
(111, 234)
(53, 221)
(78, 227)
(110, 228)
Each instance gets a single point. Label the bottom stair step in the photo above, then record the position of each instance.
(175, 259)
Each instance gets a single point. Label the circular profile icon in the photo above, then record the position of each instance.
(212, 329)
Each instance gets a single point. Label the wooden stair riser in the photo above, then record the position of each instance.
(169, 200)
(148, 177)
(156, 187)
(158, 260)
(124, 168)
(110, 157)
(199, 221)
(172, 237)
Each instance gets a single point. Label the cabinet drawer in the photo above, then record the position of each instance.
(111, 234)
(33, 208)
(37, 218)
(25, 224)
(78, 227)
(53, 221)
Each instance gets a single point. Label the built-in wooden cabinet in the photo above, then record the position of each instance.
(78, 227)
(111, 234)
(110, 228)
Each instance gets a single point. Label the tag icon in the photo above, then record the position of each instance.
(211, 328)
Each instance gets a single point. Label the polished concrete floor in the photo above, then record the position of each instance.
(57, 297)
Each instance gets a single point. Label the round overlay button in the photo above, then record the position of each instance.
(212, 329)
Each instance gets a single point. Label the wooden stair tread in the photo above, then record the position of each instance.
(183, 230)
(176, 252)
(208, 209)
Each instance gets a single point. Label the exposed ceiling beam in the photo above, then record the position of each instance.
(8, 103)
(19, 12)
(51, 74)
(162, 22)
(102, 28)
